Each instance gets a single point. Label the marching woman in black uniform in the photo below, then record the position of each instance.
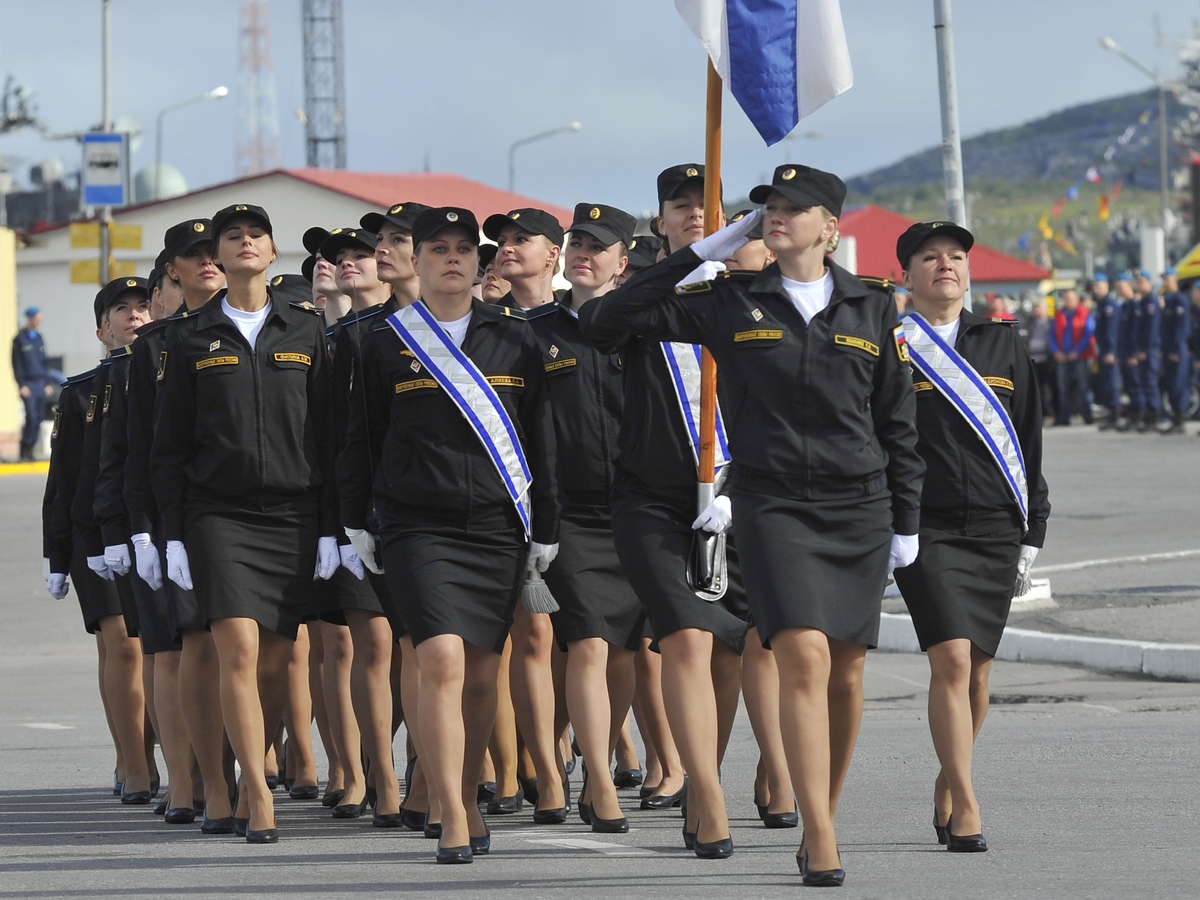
(654, 514)
(191, 279)
(465, 474)
(242, 467)
(983, 509)
(826, 474)
(600, 619)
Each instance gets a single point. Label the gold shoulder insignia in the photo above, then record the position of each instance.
(91, 410)
(696, 287)
(107, 399)
(162, 365)
(919, 386)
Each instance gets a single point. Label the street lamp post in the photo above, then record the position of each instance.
(1109, 44)
(512, 149)
(215, 94)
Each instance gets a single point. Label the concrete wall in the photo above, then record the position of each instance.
(43, 269)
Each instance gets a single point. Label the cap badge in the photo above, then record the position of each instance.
(691, 172)
(451, 217)
(130, 282)
(336, 231)
(553, 351)
(756, 314)
(197, 227)
(595, 213)
(353, 234)
(215, 345)
(514, 215)
(633, 243)
(240, 207)
(395, 209)
(787, 174)
(278, 280)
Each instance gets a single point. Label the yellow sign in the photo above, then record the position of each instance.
(121, 237)
(87, 271)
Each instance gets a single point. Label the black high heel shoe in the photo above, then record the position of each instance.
(387, 820)
(628, 778)
(240, 826)
(160, 808)
(482, 846)
(332, 798)
(781, 820)
(180, 815)
(722, 849)
(262, 835)
(964, 843)
(350, 810)
(304, 792)
(666, 801)
(223, 825)
(646, 790)
(761, 807)
(454, 856)
(412, 819)
(506, 806)
(136, 798)
(819, 877)
(939, 830)
(432, 830)
(689, 838)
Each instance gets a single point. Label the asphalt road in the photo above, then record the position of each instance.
(1087, 780)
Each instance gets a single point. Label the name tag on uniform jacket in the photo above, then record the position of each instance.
(853, 340)
(202, 364)
(758, 334)
(302, 358)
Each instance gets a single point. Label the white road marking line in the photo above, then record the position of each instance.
(1111, 709)
(598, 846)
(48, 726)
(922, 685)
(1114, 561)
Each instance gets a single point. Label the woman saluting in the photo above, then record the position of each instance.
(826, 476)
(463, 457)
(984, 506)
(242, 466)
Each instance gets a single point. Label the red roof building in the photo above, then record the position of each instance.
(876, 229)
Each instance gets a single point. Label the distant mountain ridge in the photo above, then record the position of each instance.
(1058, 147)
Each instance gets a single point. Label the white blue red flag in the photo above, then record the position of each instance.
(782, 59)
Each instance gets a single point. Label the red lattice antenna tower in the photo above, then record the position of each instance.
(258, 118)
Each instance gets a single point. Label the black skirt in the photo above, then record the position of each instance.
(961, 587)
(451, 576)
(253, 560)
(98, 599)
(156, 624)
(815, 563)
(344, 591)
(586, 578)
(182, 606)
(653, 535)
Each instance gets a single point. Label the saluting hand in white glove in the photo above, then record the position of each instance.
(100, 567)
(117, 558)
(327, 558)
(351, 561)
(724, 242)
(178, 569)
(903, 552)
(540, 556)
(149, 568)
(706, 271)
(364, 546)
(716, 517)
(1024, 570)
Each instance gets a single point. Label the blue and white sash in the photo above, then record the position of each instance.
(683, 361)
(975, 400)
(462, 381)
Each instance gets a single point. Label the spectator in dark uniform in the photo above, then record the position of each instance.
(1176, 311)
(32, 374)
(1071, 343)
(1108, 384)
(1147, 347)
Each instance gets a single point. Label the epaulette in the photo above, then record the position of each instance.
(1000, 320)
(703, 287)
(153, 326)
(332, 330)
(306, 306)
(497, 311)
(545, 309)
(119, 353)
(83, 376)
(880, 284)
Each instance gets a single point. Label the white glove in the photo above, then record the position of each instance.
(716, 518)
(148, 566)
(725, 242)
(57, 585)
(178, 569)
(117, 558)
(540, 556)
(327, 558)
(706, 271)
(904, 550)
(364, 546)
(351, 561)
(100, 567)
(1024, 573)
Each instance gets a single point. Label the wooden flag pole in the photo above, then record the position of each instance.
(712, 221)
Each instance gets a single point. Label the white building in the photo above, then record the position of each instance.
(296, 200)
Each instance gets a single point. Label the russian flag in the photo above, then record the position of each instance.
(782, 59)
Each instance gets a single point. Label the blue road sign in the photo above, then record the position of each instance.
(105, 169)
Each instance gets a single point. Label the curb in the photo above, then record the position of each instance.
(25, 468)
(1176, 662)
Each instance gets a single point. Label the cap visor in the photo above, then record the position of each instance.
(760, 193)
(606, 237)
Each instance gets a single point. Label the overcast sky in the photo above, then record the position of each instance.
(455, 83)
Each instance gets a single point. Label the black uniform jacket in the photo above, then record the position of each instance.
(66, 455)
(247, 424)
(408, 436)
(344, 339)
(83, 515)
(821, 410)
(586, 394)
(109, 505)
(965, 491)
(140, 399)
